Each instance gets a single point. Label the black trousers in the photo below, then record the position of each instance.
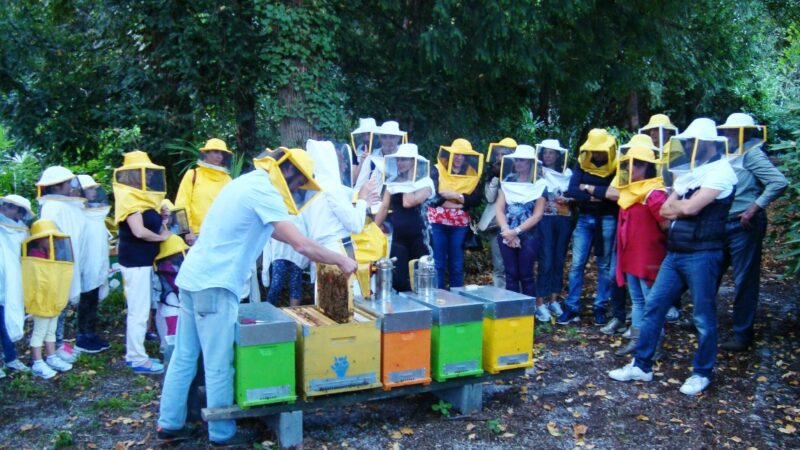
(87, 311)
(405, 248)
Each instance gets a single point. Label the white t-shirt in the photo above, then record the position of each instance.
(718, 175)
(233, 234)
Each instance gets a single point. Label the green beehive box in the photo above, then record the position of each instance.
(264, 356)
(456, 350)
(456, 334)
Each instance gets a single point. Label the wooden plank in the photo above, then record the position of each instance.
(348, 398)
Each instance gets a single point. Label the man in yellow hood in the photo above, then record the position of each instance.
(201, 184)
(247, 212)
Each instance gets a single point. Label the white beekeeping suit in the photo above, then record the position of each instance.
(12, 233)
(67, 213)
(94, 257)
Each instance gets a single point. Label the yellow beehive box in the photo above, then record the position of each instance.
(336, 357)
(507, 343)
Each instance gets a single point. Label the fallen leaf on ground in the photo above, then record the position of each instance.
(761, 379)
(642, 417)
(507, 435)
(736, 439)
(788, 429)
(470, 426)
(397, 435)
(600, 393)
(553, 429)
(407, 431)
(579, 430)
(27, 427)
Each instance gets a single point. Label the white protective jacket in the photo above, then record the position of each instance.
(332, 216)
(67, 214)
(12, 234)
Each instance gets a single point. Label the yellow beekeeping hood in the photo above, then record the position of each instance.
(638, 173)
(660, 129)
(171, 246)
(499, 149)
(599, 144)
(291, 171)
(216, 144)
(47, 268)
(138, 185)
(742, 133)
(460, 167)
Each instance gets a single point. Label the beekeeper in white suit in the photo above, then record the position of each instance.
(15, 213)
(94, 265)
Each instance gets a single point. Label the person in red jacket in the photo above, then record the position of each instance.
(641, 230)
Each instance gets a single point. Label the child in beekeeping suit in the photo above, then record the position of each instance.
(47, 268)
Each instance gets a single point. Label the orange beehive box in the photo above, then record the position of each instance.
(405, 340)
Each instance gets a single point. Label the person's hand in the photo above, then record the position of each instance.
(190, 238)
(561, 200)
(508, 234)
(744, 218)
(164, 235)
(347, 265)
(450, 195)
(452, 205)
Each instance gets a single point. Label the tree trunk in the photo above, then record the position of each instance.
(295, 130)
(246, 128)
(633, 110)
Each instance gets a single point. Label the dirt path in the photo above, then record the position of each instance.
(567, 401)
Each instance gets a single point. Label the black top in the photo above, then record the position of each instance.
(603, 207)
(471, 200)
(135, 252)
(406, 222)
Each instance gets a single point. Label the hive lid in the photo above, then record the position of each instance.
(500, 303)
(262, 323)
(450, 308)
(398, 313)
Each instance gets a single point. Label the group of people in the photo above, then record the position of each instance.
(664, 213)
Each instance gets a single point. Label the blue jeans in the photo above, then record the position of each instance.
(618, 299)
(743, 254)
(639, 290)
(448, 253)
(213, 334)
(285, 272)
(553, 234)
(9, 350)
(519, 263)
(699, 272)
(598, 232)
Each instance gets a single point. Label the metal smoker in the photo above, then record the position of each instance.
(383, 278)
(423, 272)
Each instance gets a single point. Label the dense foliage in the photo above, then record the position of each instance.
(82, 81)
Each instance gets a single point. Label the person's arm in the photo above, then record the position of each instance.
(770, 177)
(384, 210)
(472, 199)
(285, 231)
(500, 210)
(136, 224)
(351, 216)
(675, 208)
(490, 189)
(416, 198)
(574, 190)
(612, 193)
(655, 200)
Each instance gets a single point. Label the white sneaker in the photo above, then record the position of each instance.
(42, 370)
(2, 374)
(555, 308)
(58, 364)
(630, 373)
(18, 366)
(66, 355)
(694, 385)
(542, 314)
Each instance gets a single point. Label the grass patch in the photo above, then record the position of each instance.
(63, 439)
(25, 386)
(145, 396)
(113, 404)
(76, 380)
(542, 328)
